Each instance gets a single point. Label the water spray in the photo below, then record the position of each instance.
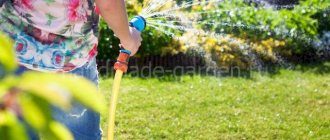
(121, 67)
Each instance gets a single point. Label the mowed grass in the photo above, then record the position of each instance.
(287, 105)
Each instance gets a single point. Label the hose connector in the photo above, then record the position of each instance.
(122, 61)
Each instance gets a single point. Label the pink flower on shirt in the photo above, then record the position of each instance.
(25, 4)
(43, 36)
(93, 51)
(77, 10)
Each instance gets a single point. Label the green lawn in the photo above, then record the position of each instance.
(287, 105)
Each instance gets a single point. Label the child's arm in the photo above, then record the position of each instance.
(114, 13)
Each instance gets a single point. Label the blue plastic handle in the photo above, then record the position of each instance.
(139, 23)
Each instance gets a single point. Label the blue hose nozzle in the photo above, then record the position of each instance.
(139, 23)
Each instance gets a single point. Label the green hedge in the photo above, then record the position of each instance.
(307, 20)
(153, 41)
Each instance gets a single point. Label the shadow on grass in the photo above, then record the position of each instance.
(170, 75)
(321, 68)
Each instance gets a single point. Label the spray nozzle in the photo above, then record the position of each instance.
(139, 23)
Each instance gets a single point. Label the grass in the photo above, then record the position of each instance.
(287, 105)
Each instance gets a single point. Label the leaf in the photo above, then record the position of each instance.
(35, 111)
(47, 89)
(2, 72)
(49, 1)
(65, 29)
(57, 131)
(66, 86)
(10, 128)
(86, 27)
(29, 21)
(50, 18)
(3, 90)
(7, 55)
(28, 15)
(7, 83)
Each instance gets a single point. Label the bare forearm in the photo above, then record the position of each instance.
(114, 13)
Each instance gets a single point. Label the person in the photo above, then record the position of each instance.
(62, 36)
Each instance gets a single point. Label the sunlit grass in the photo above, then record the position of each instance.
(287, 105)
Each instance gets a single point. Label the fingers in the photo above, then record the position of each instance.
(137, 33)
(134, 44)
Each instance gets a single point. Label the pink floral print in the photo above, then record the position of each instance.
(77, 10)
(25, 4)
(51, 35)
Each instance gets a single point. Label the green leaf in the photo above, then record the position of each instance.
(86, 27)
(46, 89)
(3, 90)
(6, 84)
(57, 131)
(65, 86)
(7, 55)
(35, 111)
(50, 18)
(65, 29)
(49, 1)
(10, 128)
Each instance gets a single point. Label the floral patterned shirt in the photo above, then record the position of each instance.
(51, 35)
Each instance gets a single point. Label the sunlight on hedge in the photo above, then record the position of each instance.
(257, 34)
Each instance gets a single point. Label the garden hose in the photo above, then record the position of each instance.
(121, 67)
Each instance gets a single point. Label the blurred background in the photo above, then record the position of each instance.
(224, 69)
(244, 34)
(207, 69)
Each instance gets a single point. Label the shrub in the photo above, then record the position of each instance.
(259, 28)
(264, 33)
(231, 51)
(154, 42)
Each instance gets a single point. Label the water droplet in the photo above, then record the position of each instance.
(232, 13)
